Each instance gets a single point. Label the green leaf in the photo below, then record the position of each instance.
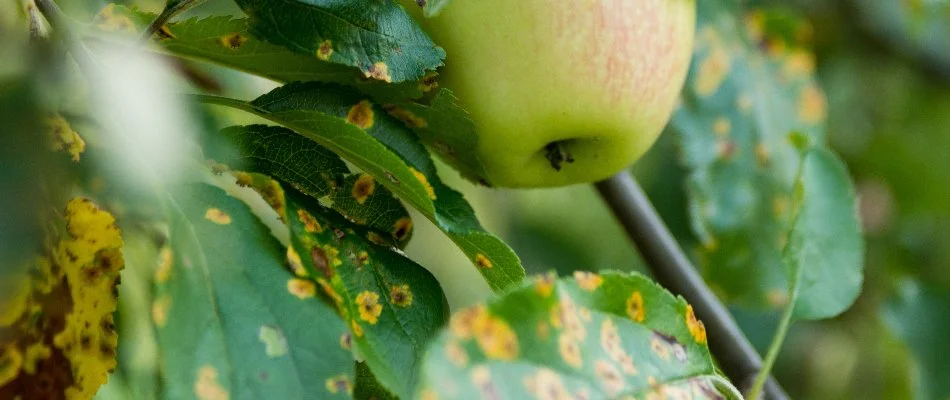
(749, 103)
(312, 169)
(825, 252)
(392, 305)
(363, 134)
(378, 37)
(594, 336)
(367, 387)
(231, 320)
(917, 314)
(227, 41)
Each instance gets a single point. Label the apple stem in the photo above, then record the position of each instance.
(672, 269)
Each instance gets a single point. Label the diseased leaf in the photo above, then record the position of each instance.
(231, 321)
(367, 387)
(825, 251)
(392, 305)
(592, 336)
(58, 333)
(281, 153)
(749, 99)
(918, 315)
(361, 132)
(227, 41)
(378, 37)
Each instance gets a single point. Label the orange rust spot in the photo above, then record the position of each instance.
(695, 326)
(361, 115)
(379, 71)
(207, 386)
(363, 188)
(400, 295)
(296, 265)
(233, 40)
(429, 82)
(635, 308)
(356, 328)
(217, 216)
(339, 384)
(811, 105)
(301, 288)
(544, 284)
(588, 281)
(425, 182)
(369, 307)
(310, 224)
(325, 50)
(482, 262)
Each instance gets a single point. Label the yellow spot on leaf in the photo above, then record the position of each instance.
(165, 262)
(811, 105)
(11, 361)
(328, 290)
(275, 344)
(407, 117)
(547, 385)
(777, 297)
(696, 327)
(494, 337)
(339, 384)
(217, 216)
(160, 308)
(722, 126)
(363, 188)
(570, 350)
(425, 182)
(325, 50)
(544, 284)
(62, 137)
(301, 288)
(635, 308)
(798, 63)
(346, 341)
(659, 348)
(374, 237)
(379, 71)
(610, 378)
(295, 263)
(356, 328)
(369, 307)
(588, 281)
(713, 70)
(482, 262)
(233, 40)
(361, 115)
(400, 295)
(310, 224)
(108, 21)
(207, 386)
(34, 354)
(456, 354)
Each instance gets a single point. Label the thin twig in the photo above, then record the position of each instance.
(670, 267)
(171, 10)
(57, 20)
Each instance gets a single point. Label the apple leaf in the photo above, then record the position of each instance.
(591, 336)
(361, 132)
(367, 387)
(750, 102)
(825, 250)
(378, 37)
(918, 315)
(312, 169)
(227, 41)
(231, 321)
(392, 305)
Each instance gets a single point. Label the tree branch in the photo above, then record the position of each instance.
(669, 265)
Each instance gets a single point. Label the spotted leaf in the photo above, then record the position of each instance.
(231, 320)
(312, 169)
(392, 305)
(572, 338)
(750, 101)
(364, 134)
(378, 37)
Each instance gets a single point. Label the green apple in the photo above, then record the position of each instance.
(563, 91)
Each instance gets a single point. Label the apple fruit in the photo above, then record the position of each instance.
(565, 91)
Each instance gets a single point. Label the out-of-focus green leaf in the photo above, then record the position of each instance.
(921, 27)
(377, 37)
(280, 153)
(227, 41)
(918, 314)
(749, 100)
(825, 249)
(362, 133)
(392, 305)
(231, 321)
(593, 336)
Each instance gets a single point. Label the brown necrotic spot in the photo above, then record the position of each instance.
(321, 262)
(402, 228)
(233, 40)
(400, 295)
(407, 117)
(363, 188)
